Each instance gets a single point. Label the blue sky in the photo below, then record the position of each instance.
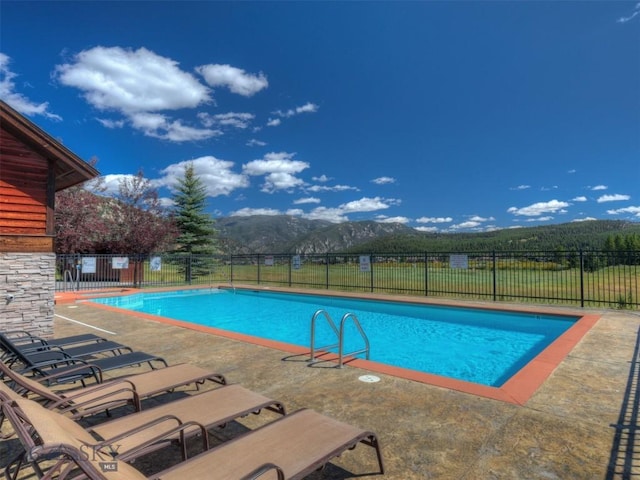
(445, 116)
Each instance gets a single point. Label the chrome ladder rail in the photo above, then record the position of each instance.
(356, 322)
(68, 277)
(313, 334)
(339, 334)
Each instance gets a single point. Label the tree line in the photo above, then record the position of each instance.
(133, 220)
(607, 235)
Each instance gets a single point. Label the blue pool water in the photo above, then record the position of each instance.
(480, 346)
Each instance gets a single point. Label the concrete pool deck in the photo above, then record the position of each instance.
(579, 424)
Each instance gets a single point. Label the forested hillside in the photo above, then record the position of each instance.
(591, 235)
(286, 234)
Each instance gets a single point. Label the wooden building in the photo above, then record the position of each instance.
(33, 167)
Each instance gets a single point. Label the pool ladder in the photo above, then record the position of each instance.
(339, 334)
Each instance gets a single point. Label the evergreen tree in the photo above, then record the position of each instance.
(197, 233)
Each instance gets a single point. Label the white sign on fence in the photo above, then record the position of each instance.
(155, 264)
(459, 261)
(268, 260)
(120, 263)
(88, 264)
(295, 262)
(365, 263)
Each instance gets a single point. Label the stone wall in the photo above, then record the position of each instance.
(27, 288)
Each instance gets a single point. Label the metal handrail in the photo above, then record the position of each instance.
(313, 333)
(356, 322)
(339, 334)
(68, 276)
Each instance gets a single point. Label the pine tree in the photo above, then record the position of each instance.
(197, 233)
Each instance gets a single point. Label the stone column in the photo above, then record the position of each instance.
(27, 289)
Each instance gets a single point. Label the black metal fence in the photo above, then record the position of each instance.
(593, 278)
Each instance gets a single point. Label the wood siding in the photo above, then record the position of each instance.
(25, 206)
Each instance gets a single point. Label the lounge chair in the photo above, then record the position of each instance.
(59, 363)
(143, 432)
(21, 337)
(289, 448)
(113, 393)
(43, 352)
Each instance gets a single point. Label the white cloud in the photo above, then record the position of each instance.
(302, 201)
(598, 187)
(476, 218)
(383, 180)
(108, 123)
(579, 199)
(322, 179)
(426, 229)
(366, 204)
(573, 170)
(306, 108)
(465, 225)
(137, 84)
(636, 12)
(434, 220)
(159, 126)
(108, 184)
(235, 79)
(295, 212)
(334, 188)
(275, 162)
(613, 198)
(540, 219)
(384, 219)
(216, 175)
(230, 119)
(280, 181)
(256, 143)
(586, 219)
(633, 210)
(333, 215)
(521, 187)
(539, 208)
(17, 100)
(339, 214)
(279, 170)
(247, 212)
(129, 81)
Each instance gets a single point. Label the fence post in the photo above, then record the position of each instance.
(231, 269)
(258, 269)
(290, 258)
(495, 289)
(426, 274)
(135, 270)
(371, 273)
(326, 274)
(581, 279)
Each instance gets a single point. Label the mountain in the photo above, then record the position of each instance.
(567, 236)
(287, 234)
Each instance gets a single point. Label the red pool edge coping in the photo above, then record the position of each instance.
(517, 390)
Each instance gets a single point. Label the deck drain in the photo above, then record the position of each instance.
(369, 378)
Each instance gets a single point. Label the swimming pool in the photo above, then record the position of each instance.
(473, 345)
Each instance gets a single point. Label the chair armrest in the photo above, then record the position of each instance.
(267, 467)
(96, 371)
(140, 449)
(74, 402)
